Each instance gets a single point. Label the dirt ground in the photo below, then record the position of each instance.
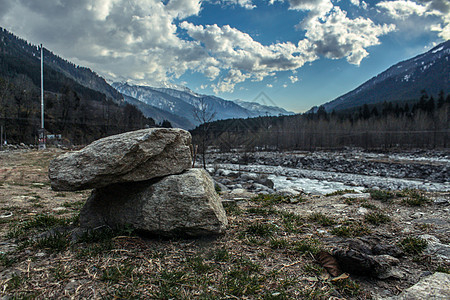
(268, 252)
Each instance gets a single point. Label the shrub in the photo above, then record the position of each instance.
(413, 245)
(377, 218)
(383, 196)
(321, 219)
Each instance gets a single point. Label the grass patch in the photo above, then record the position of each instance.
(383, 196)
(313, 269)
(311, 246)
(291, 222)
(261, 211)
(16, 281)
(351, 229)
(377, 218)
(118, 273)
(56, 242)
(231, 208)
(321, 219)
(340, 193)
(416, 199)
(220, 255)
(198, 264)
(413, 245)
(347, 287)
(261, 229)
(73, 205)
(443, 269)
(369, 206)
(244, 279)
(275, 243)
(37, 224)
(6, 261)
(60, 272)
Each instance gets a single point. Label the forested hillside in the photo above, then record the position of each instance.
(422, 125)
(401, 82)
(81, 114)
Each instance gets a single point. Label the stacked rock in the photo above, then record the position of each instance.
(142, 179)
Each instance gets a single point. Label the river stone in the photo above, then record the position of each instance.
(128, 157)
(177, 205)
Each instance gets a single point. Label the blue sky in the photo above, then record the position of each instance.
(300, 53)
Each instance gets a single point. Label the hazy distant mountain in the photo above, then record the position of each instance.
(182, 102)
(403, 81)
(159, 115)
(12, 46)
(263, 110)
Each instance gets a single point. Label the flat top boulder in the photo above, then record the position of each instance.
(128, 157)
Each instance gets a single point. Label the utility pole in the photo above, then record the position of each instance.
(42, 130)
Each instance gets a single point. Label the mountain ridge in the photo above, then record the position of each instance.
(402, 81)
(11, 44)
(183, 102)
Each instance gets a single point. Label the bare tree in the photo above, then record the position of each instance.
(204, 114)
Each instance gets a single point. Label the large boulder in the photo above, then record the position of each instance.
(177, 205)
(128, 157)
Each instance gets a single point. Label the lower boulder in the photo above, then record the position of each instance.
(177, 205)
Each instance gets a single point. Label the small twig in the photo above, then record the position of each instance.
(290, 265)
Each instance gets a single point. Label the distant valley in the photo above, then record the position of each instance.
(180, 104)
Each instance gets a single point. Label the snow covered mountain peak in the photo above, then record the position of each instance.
(183, 102)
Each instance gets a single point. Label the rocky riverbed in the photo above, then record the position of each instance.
(325, 172)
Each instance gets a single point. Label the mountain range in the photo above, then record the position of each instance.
(180, 104)
(404, 81)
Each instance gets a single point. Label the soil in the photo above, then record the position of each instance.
(267, 252)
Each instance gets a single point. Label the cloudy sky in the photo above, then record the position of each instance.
(300, 53)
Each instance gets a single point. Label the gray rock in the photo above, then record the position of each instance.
(442, 201)
(433, 287)
(177, 205)
(127, 157)
(357, 195)
(360, 263)
(436, 248)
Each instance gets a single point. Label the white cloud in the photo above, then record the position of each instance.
(285, 85)
(247, 4)
(238, 51)
(402, 10)
(269, 85)
(336, 36)
(227, 84)
(145, 41)
(318, 7)
(293, 79)
(127, 39)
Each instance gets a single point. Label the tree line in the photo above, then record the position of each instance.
(423, 123)
(78, 118)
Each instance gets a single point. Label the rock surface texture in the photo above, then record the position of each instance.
(129, 157)
(184, 204)
(433, 287)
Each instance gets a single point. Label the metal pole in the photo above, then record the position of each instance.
(42, 87)
(42, 131)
